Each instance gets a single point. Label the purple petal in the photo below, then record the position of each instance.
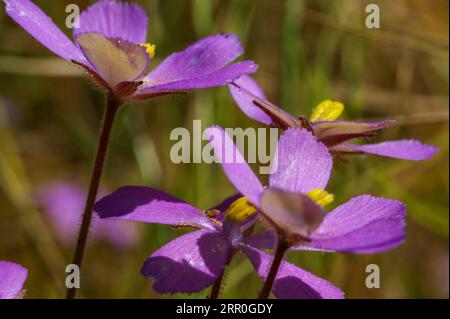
(189, 263)
(202, 60)
(234, 165)
(143, 204)
(12, 278)
(365, 224)
(114, 19)
(334, 132)
(292, 282)
(265, 240)
(41, 27)
(402, 149)
(252, 101)
(303, 163)
(244, 93)
(219, 77)
(204, 56)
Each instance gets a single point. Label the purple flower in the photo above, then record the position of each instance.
(292, 203)
(63, 203)
(251, 100)
(12, 278)
(110, 44)
(194, 261)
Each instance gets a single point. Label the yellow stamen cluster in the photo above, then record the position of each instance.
(321, 197)
(149, 48)
(240, 210)
(327, 111)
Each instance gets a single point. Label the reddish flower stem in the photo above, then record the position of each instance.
(215, 290)
(112, 106)
(282, 247)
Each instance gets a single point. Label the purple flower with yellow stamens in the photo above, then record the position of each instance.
(110, 44)
(194, 261)
(63, 202)
(251, 100)
(12, 279)
(292, 203)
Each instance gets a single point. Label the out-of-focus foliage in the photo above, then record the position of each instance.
(307, 51)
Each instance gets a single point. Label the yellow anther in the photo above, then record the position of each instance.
(327, 111)
(240, 210)
(149, 48)
(321, 197)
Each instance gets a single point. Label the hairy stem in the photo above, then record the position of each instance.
(112, 106)
(282, 247)
(215, 290)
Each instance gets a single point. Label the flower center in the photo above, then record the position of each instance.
(240, 210)
(321, 197)
(149, 48)
(327, 111)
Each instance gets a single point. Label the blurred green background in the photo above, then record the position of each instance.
(307, 51)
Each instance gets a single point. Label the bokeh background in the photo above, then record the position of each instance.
(307, 51)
